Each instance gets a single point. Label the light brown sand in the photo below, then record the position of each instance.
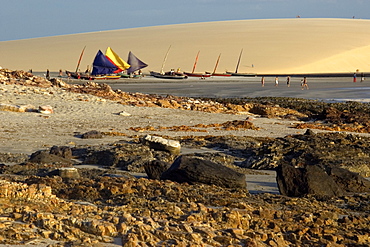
(79, 113)
(269, 46)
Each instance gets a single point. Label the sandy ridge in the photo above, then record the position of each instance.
(269, 46)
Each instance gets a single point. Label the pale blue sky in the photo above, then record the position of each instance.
(23, 19)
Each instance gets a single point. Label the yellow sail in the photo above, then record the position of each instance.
(116, 60)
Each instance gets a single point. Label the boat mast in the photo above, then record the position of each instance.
(237, 65)
(79, 60)
(165, 58)
(195, 63)
(218, 60)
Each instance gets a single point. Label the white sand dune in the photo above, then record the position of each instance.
(269, 46)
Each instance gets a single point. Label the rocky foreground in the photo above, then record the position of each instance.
(50, 199)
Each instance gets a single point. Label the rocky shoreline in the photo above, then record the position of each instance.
(50, 199)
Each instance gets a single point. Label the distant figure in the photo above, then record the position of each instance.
(276, 81)
(60, 73)
(362, 77)
(304, 83)
(288, 81)
(47, 74)
(263, 81)
(30, 71)
(69, 76)
(354, 77)
(172, 72)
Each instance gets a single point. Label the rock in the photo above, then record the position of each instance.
(349, 181)
(46, 109)
(155, 168)
(62, 151)
(17, 108)
(44, 157)
(159, 143)
(123, 113)
(309, 180)
(128, 157)
(93, 134)
(194, 170)
(68, 172)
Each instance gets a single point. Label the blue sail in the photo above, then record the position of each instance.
(135, 63)
(102, 66)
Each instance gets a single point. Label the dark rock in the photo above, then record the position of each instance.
(310, 180)
(62, 151)
(309, 132)
(44, 157)
(192, 170)
(93, 134)
(349, 181)
(155, 168)
(128, 157)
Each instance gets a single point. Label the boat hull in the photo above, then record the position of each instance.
(197, 75)
(168, 76)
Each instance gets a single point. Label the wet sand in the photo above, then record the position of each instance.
(337, 88)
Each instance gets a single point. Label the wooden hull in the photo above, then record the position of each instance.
(218, 74)
(168, 76)
(107, 77)
(242, 74)
(80, 76)
(197, 75)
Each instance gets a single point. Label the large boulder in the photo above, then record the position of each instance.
(192, 170)
(308, 180)
(155, 168)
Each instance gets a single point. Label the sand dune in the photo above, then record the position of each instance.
(269, 46)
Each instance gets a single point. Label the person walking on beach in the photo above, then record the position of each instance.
(263, 81)
(304, 83)
(276, 81)
(354, 77)
(288, 81)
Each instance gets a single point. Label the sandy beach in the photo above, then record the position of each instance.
(79, 113)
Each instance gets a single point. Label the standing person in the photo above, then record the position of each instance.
(288, 81)
(354, 77)
(362, 77)
(263, 81)
(304, 83)
(60, 73)
(276, 81)
(47, 74)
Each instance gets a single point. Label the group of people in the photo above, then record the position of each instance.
(304, 84)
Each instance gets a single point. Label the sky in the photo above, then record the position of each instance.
(24, 19)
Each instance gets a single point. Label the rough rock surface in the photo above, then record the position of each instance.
(192, 170)
(106, 206)
(310, 180)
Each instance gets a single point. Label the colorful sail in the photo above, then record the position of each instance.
(102, 66)
(116, 60)
(135, 63)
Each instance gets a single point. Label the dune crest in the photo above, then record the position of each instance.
(269, 46)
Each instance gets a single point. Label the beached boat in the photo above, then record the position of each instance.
(168, 75)
(104, 68)
(237, 68)
(135, 65)
(214, 70)
(193, 74)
